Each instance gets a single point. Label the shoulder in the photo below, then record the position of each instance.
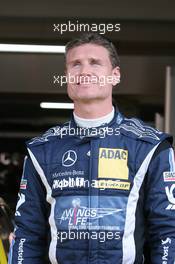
(51, 134)
(138, 130)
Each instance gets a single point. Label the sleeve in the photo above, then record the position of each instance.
(31, 219)
(160, 206)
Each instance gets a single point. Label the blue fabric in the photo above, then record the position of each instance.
(84, 182)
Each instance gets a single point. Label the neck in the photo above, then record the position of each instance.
(94, 122)
(92, 110)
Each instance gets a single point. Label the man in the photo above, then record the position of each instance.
(101, 184)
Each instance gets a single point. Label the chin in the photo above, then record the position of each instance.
(86, 96)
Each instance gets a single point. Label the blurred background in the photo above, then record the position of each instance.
(146, 46)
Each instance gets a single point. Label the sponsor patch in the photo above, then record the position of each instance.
(113, 163)
(21, 201)
(68, 173)
(69, 158)
(69, 183)
(170, 194)
(75, 213)
(165, 246)
(119, 185)
(23, 184)
(169, 176)
(21, 250)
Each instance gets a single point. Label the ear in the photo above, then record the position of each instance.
(65, 71)
(116, 76)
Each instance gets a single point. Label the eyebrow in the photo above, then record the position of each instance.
(90, 59)
(96, 59)
(73, 61)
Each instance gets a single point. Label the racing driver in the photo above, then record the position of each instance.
(95, 189)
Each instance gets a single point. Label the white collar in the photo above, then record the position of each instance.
(95, 122)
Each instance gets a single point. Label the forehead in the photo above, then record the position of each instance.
(87, 51)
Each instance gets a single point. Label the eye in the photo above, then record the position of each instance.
(76, 63)
(95, 62)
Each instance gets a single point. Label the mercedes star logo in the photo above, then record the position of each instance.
(69, 158)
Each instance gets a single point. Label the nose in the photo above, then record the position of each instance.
(84, 74)
(85, 70)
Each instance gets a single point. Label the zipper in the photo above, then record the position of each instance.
(89, 198)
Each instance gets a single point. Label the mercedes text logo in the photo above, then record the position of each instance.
(69, 158)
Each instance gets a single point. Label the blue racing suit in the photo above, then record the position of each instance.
(94, 196)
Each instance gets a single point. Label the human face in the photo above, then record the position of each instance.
(92, 75)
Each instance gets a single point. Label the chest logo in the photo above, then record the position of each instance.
(69, 158)
(112, 163)
(82, 215)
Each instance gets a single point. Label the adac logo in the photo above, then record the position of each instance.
(108, 153)
(82, 216)
(112, 163)
(69, 158)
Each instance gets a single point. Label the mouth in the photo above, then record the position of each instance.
(86, 82)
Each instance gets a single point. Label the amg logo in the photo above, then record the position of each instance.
(113, 154)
